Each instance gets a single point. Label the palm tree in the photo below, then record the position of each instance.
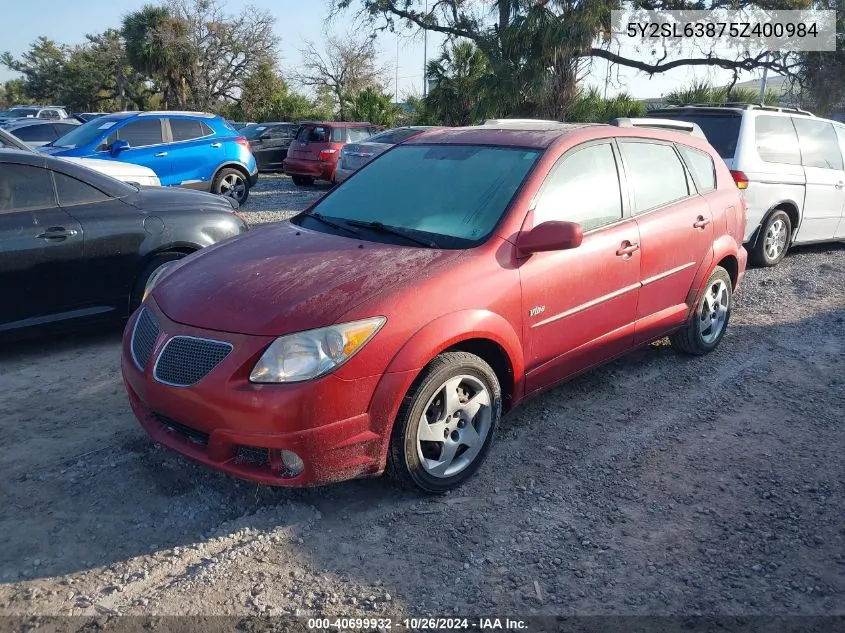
(155, 47)
(706, 92)
(458, 76)
(373, 106)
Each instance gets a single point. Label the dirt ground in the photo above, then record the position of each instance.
(660, 484)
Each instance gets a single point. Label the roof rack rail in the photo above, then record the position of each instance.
(525, 121)
(737, 104)
(661, 124)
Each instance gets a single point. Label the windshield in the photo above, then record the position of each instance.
(252, 132)
(453, 191)
(21, 112)
(85, 134)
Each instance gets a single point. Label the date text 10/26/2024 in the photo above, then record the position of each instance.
(424, 624)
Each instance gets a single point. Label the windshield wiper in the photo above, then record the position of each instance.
(320, 217)
(381, 228)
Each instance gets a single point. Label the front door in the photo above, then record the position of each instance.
(146, 147)
(40, 246)
(579, 305)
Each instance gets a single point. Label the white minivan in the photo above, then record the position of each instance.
(790, 166)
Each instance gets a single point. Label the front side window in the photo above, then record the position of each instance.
(582, 188)
(25, 187)
(702, 167)
(72, 191)
(141, 133)
(776, 140)
(655, 174)
(819, 144)
(455, 194)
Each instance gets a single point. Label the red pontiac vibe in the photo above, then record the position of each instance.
(390, 325)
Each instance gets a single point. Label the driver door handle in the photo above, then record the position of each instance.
(840, 184)
(57, 233)
(701, 222)
(627, 249)
(216, 145)
(160, 154)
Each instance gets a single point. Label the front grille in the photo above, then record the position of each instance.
(144, 336)
(198, 437)
(185, 360)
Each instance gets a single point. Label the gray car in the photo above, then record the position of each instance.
(50, 113)
(38, 132)
(353, 156)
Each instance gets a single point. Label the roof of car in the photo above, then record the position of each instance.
(28, 122)
(537, 134)
(23, 157)
(346, 123)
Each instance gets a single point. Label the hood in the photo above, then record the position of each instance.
(53, 150)
(163, 199)
(286, 279)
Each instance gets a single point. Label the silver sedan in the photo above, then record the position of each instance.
(353, 156)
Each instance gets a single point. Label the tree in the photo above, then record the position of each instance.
(345, 67)
(822, 74)
(266, 97)
(705, 92)
(458, 75)
(12, 93)
(537, 48)
(43, 69)
(590, 107)
(373, 106)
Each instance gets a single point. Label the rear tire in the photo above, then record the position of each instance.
(446, 423)
(302, 181)
(141, 282)
(231, 183)
(709, 321)
(773, 241)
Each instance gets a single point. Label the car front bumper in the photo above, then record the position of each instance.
(337, 427)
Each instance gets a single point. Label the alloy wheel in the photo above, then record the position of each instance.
(714, 311)
(775, 239)
(233, 186)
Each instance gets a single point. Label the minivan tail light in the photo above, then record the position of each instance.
(326, 154)
(740, 179)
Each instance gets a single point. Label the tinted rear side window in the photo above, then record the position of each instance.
(721, 130)
(316, 134)
(702, 167)
(186, 129)
(25, 187)
(338, 135)
(35, 133)
(818, 142)
(776, 140)
(656, 175)
(358, 134)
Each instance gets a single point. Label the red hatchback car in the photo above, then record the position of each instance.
(390, 325)
(313, 154)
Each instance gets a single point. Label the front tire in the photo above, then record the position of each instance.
(446, 424)
(773, 241)
(231, 183)
(708, 323)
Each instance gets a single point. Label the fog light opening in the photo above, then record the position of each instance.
(290, 464)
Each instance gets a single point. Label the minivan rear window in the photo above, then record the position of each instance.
(721, 129)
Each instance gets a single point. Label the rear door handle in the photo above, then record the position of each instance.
(217, 145)
(701, 222)
(627, 249)
(160, 154)
(57, 233)
(840, 184)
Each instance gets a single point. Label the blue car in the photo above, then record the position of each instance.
(184, 149)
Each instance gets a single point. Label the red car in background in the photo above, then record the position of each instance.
(314, 152)
(390, 325)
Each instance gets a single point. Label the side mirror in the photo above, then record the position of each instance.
(550, 236)
(118, 146)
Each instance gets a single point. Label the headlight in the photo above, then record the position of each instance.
(157, 275)
(311, 354)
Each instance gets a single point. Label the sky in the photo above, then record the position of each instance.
(298, 21)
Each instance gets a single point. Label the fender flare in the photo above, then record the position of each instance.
(724, 246)
(752, 242)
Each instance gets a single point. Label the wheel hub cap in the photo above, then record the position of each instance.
(775, 240)
(233, 186)
(453, 427)
(714, 311)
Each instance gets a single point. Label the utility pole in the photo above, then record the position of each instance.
(425, 55)
(763, 82)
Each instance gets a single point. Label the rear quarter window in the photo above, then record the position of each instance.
(701, 167)
(776, 140)
(721, 129)
(819, 144)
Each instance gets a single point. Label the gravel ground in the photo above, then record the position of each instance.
(659, 484)
(275, 198)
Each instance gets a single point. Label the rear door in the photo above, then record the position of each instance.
(821, 158)
(40, 249)
(194, 152)
(676, 232)
(271, 146)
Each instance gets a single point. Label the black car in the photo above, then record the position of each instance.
(77, 245)
(270, 142)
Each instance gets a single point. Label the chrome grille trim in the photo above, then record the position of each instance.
(145, 332)
(185, 360)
